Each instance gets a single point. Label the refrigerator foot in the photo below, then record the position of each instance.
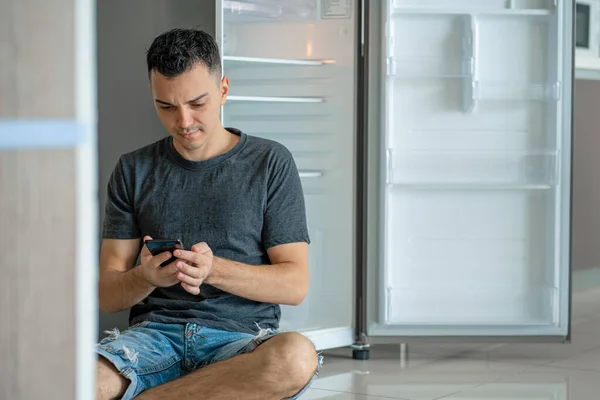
(360, 354)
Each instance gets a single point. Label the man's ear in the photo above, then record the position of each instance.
(224, 86)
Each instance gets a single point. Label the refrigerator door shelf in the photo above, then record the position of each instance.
(515, 91)
(459, 304)
(477, 168)
(476, 93)
(406, 68)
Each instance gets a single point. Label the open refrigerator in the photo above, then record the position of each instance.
(433, 139)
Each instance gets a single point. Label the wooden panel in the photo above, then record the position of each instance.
(37, 265)
(586, 185)
(37, 72)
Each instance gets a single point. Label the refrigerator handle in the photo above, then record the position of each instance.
(361, 346)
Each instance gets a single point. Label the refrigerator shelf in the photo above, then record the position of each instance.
(476, 169)
(266, 10)
(310, 174)
(469, 11)
(242, 7)
(468, 186)
(244, 61)
(490, 7)
(276, 99)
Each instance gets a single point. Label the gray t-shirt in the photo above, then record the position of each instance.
(240, 203)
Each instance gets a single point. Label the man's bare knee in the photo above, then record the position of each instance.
(110, 384)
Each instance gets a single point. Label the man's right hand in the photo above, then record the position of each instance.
(151, 270)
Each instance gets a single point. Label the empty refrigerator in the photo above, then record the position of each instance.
(433, 139)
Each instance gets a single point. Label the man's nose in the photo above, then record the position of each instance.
(184, 118)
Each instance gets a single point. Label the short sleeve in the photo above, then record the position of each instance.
(119, 220)
(285, 211)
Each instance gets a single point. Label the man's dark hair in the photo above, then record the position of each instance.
(178, 50)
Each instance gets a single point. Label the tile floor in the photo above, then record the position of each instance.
(473, 372)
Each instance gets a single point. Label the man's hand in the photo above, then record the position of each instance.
(151, 270)
(194, 266)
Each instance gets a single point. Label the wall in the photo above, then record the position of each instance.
(586, 176)
(126, 116)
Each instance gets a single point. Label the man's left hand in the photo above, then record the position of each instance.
(194, 266)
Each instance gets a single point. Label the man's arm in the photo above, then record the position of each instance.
(121, 286)
(285, 281)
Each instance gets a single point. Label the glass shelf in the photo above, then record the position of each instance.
(234, 60)
(276, 99)
(482, 7)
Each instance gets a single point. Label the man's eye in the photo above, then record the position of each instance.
(166, 107)
(198, 105)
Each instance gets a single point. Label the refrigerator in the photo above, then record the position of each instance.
(433, 139)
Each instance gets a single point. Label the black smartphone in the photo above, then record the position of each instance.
(161, 245)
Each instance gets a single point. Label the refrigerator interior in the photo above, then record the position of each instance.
(291, 67)
(475, 169)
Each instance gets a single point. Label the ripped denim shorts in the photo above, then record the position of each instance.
(151, 353)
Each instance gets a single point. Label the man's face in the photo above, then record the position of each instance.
(189, 104)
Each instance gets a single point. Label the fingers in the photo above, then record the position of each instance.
(161, 258)
(190, 275)
(169, 269)
(201, 248)
(175, 270)
(145, 251)
(192, 257)
(192, 271)
(195, 290)
(189, 280)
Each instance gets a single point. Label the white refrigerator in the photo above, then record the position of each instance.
(433, 138)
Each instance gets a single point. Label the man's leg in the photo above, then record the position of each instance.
(138, 358)
(110, 384)
(277, 369)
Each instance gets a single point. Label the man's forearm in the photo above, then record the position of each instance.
(122, 290)
(282, 283)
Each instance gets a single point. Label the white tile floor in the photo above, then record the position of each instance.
(473, 372)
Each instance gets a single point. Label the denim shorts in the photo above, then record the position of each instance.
(151, 353)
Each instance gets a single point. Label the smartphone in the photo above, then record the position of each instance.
(160, 246)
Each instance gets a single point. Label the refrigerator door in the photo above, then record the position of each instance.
(475, 169)
(291, 67)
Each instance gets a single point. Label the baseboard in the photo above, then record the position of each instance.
(586, 279)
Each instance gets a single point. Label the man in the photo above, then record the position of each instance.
(206, 325)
